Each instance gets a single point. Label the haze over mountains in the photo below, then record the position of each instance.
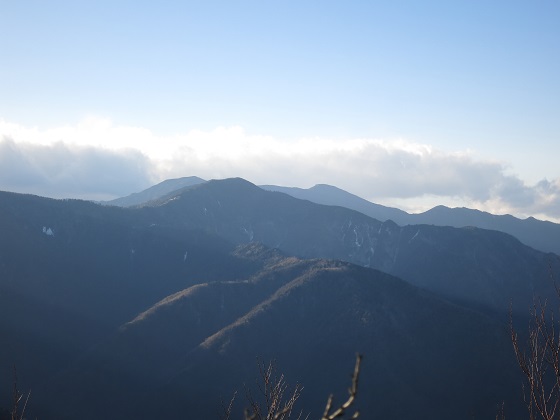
(161, 308)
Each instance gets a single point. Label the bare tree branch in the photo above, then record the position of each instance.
(227, 410)
(339, 412)
(272, 389)
(540, 363)
(16, 399)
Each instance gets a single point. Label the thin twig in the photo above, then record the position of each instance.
(339, 412)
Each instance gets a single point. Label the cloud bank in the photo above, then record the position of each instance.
(67, 171)
(97, 159)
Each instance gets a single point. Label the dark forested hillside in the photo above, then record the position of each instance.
(424, 357)
(71, 272)
(112, 312)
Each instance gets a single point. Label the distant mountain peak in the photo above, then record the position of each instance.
(236, 181)
(155, 192)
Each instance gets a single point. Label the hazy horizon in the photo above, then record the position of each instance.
(405, 105)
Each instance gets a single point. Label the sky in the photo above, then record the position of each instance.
(409, 104)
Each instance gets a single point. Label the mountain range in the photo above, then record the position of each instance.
(460, 264)
(538, 234)
(161, 309)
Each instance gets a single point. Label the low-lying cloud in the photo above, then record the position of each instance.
(67, 171)
(97, 159)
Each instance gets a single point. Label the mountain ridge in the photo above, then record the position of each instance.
(539, 234)
(241, 212)
(322, 299)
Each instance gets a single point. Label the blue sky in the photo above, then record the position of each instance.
(404, 103)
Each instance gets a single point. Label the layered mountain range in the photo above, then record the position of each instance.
(162, 308)
(485, 268)
(538, 234)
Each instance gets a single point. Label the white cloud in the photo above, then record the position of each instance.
(62, 170)
(97, 157)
